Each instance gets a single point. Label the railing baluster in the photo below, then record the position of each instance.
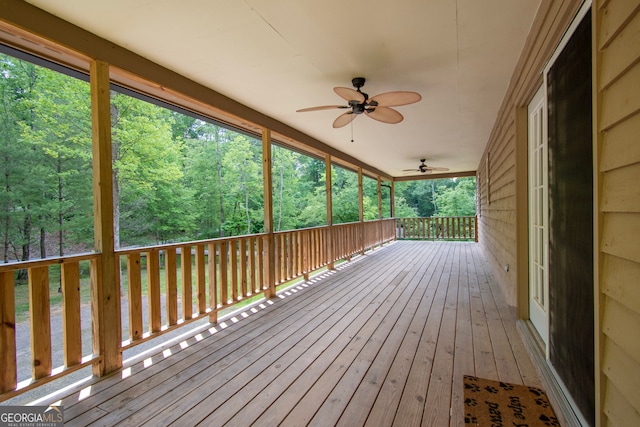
(261, 280)
(187, 282)
(72, 335)
(171, 286)
(153, 271)
(40, 322)
(8, 360)
(201, 292)
(277, 257)
(292, 253)
(213, 282)
(297, 255)
(135, 296)
(233, 249)
(243, 267)
(252, 265)
(224, 270)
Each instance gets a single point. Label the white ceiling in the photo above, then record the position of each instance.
(277, 56)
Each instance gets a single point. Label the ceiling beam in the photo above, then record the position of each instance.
(434, 176)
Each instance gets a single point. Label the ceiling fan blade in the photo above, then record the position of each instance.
(323, 107)
(344, 119)
(349, 94)
(437, 169)
(385, 115)
(395, 99)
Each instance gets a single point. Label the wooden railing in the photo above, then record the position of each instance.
(38, 282)
(162, 288)
(438, 228)
(299, 252)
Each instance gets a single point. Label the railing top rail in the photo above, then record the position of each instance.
(43, 262)
(430, 217)
(318, 227)
(130, 250)
(343, 224)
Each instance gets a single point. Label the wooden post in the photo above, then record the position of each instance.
(105, 295)
(269, 265)
(475, 228)
(380, 210)
(327, 166)
(9, 371)
(393, 199)
(361, 211)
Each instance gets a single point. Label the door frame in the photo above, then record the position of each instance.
(538, 216)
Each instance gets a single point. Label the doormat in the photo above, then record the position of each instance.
(493, 403)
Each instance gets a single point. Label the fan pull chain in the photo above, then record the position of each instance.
(351, 130)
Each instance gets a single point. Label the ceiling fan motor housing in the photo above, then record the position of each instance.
(358, 82)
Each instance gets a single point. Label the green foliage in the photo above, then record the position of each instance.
(344, 188)
(437, 197)
(45, 147)
(459, 200)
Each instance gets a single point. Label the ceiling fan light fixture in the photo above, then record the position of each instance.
(424, 169)
(378, 107)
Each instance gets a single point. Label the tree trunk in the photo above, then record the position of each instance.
(26, 246)
(43, 243)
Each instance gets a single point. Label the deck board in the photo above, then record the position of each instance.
(382, 340)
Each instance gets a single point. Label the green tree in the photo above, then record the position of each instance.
(17, 81)
(242, 176)
(45, 144)
(421, 194)
(203, 175)
(60, 132)
(150, 200)
(312, 200)
(403, 210)
(344, 190)
(459, 200)
(286, 182)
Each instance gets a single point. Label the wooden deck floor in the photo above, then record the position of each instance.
(383, 340)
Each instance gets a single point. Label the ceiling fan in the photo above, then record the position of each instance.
(377, 107)
(423, 168)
